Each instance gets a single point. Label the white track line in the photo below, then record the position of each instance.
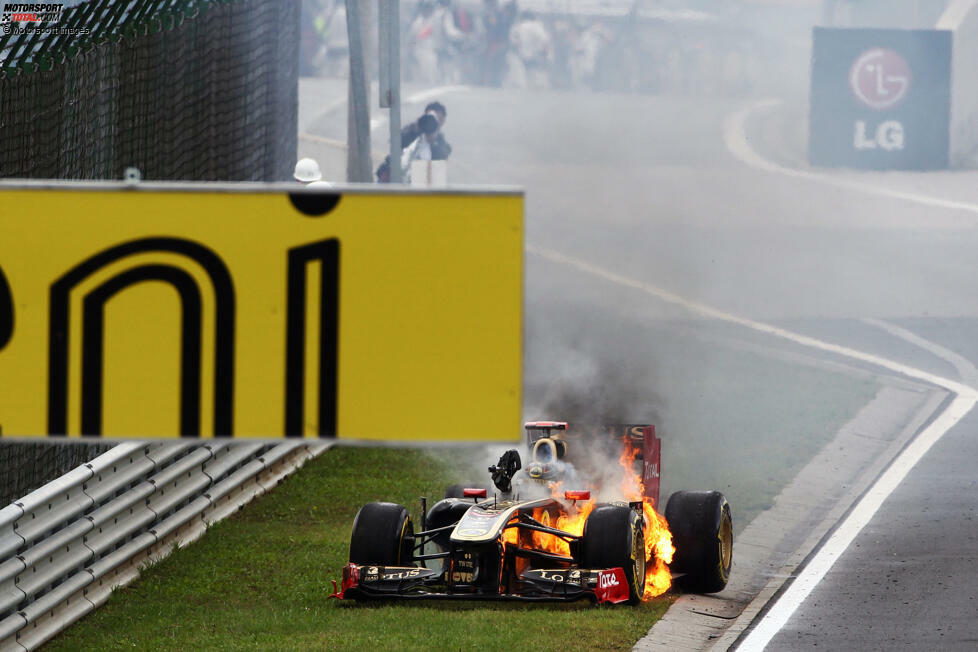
(962, 365)
(735, 137)
(865, 509)
(714, 313)
(869, 504)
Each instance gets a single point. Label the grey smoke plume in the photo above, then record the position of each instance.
(604, 391)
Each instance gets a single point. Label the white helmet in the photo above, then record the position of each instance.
(307, 170)
(320, 184)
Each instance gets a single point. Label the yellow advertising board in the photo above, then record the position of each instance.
(166, 310)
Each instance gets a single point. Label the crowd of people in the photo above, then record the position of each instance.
(498, 43)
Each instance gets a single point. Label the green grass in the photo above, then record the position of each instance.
(259, 580)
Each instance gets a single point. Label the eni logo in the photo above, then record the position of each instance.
(195, 272)
(880, 78)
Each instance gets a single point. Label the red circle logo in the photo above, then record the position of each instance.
(880, 78)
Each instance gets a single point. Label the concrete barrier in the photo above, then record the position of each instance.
(961, 18)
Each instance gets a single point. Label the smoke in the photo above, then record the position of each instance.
(586, 364)
(631, 175)
(602, 391)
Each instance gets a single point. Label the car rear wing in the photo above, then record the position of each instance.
(643, 438)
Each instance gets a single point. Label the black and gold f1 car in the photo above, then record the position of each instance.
(519, 545)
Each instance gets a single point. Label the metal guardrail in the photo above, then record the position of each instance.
(66, 546)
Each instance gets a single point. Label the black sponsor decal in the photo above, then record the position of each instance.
(6, 311)
(192, 292)
(93, 338)
(327, 253)
(315, 205)
(92, 334)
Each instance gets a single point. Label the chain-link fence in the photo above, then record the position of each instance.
(25, 467)
(180, 89)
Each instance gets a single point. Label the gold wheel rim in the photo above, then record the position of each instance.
(638, 555)
(726, 542)
(400, 542)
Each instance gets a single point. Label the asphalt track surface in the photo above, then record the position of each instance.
(646, 188)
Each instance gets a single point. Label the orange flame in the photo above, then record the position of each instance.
(511, 536)
(658, 539)
(658, 553)
(631, 482)
(659, 550)
(570, 519)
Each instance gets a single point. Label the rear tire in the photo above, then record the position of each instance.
(613, 536)
(383, 535)
(702, 532)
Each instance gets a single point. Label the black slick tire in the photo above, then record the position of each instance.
(613, 536)
(702, 532)
(383, 535)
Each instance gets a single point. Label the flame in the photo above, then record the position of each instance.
(658, 539)
(658, 553)
(511, 536)
(631, 482)
(570, 519)
(542, 539)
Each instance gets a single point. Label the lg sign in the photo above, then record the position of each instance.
(880, 79)
(880, 98)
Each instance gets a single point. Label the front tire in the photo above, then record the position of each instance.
(702, 532)
(383, 535)
(614, 537)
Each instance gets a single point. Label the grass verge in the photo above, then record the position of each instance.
(259, 580)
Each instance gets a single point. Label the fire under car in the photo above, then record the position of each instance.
(534, 537)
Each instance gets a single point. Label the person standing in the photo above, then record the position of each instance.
(534, 52)
(439, 147)
(423, 147)
(495, 25)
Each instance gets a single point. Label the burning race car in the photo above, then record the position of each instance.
(543, 534)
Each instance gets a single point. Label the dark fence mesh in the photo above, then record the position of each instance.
(181, 89)
(25, 467)
(200, 90)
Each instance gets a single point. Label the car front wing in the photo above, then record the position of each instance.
(365, 582)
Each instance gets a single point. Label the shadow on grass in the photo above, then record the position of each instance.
(490, 604)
